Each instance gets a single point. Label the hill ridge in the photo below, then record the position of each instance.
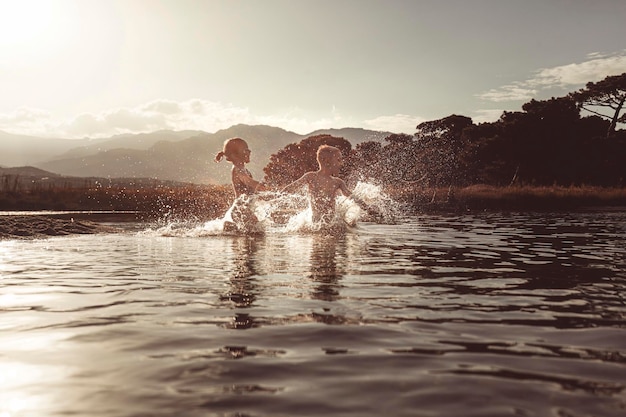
(185, 155)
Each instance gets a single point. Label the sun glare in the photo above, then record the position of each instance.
(22, 22)
(32, 27)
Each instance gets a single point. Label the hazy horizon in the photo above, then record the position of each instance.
(98, 68)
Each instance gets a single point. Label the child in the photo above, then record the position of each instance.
(237, 152)
(323, 184)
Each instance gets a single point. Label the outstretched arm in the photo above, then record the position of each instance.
(345, 191)
(296, 185)
(364, 206)
(343, 187)
(247, 180)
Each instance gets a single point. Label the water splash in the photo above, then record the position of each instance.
(275, 212)
(380, 207)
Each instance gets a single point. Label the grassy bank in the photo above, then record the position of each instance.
(514, 198)
(206, 202)
(200, 201)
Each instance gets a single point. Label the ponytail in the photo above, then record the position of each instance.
(231, 148)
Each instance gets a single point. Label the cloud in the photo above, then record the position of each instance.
(397, 123)
(596, 68)
(163, 107)
(487, 115)
(297, 124)
(510, 92)
(26, 121)
(193, 114)
(114, 122)
(297, 120)
(566, 77)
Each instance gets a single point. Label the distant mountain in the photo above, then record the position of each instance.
(128, 141)
(21, 150)
(27, 171)
(27, 178)
(188, 160)
(183, 156)
(353, 135)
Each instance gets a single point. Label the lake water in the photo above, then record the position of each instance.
(494, 314)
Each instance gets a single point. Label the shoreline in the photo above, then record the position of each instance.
(40, 220)
(479, 198)
(41, 226)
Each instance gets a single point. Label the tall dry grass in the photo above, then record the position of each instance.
(486, 197)
(204, 202)
(198, 201)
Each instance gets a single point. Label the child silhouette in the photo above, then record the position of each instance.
(323, 184)
(236, 151)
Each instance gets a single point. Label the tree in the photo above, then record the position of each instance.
(291, 162)
(544, 144)
(365, 160)
(610, 93)
(541, 145)
(399, 160)
(487, 155)
(440, 143)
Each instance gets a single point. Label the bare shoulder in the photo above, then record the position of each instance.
(309, 176)
(238, 171)
(338, 182)
(241, 170)
(341, 185)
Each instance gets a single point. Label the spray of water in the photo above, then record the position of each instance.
(379, 207)
(274, 212)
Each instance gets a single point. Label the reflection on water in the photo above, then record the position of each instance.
(242, 291)
(474, 315)
(325, 271)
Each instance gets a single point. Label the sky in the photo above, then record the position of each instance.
(96, 68)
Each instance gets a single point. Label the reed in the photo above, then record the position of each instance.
(199, 201)
(487, 197)
(205, 202)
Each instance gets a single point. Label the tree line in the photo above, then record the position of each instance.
(548, 142)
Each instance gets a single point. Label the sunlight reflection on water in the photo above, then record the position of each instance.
(488, 314)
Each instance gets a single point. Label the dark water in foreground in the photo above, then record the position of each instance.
(477, 315)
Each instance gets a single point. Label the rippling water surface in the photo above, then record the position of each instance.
(474, 315)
